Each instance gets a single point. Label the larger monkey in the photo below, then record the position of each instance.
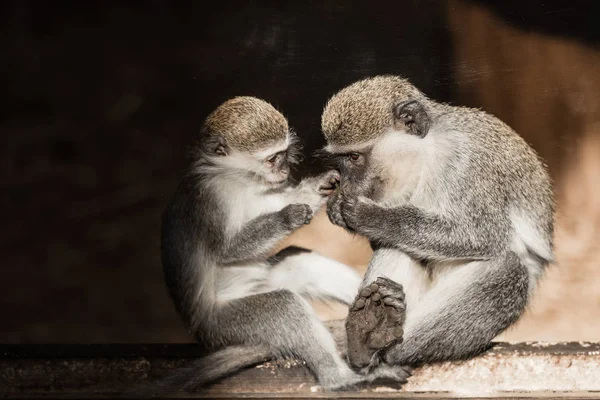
(459, 211)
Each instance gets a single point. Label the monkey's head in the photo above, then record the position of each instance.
(249, 137)
(370, 126)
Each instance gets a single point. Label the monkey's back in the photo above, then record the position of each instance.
(190, 235)
(504, 164)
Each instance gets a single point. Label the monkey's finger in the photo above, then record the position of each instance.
(348, 204)
(398, 332)
(358, 305)
(366, 292)
(408, 369)
(391, 377)
(394, 303)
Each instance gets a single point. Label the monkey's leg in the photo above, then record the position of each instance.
(375, 321)
(412, 281)
(286, 323)
(461, 314)
(314, 276)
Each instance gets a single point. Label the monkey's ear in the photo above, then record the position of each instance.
(220, 146)
(411, 115)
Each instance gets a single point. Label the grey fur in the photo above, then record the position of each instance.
(478, 219)
(494, 300)
(215, 256)
(207, 369)
(258, 237)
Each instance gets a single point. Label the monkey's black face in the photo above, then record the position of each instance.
(269, 165)
(355, 171)
(277, 167)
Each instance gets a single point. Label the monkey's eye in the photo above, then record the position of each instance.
(354, 156)
(271, 160)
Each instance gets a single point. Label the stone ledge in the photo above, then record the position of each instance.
(507, 370)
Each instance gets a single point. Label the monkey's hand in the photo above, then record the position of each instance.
(314, 190)
(359, 214)
(296, 215)
(334, 208)
(328, 182)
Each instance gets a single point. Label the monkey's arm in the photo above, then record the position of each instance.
(314, 190)
(419, 233)
(258, 237)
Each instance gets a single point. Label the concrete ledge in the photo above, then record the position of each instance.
(521, 370)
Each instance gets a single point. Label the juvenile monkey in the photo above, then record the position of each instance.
(458, 209)
(234, 204)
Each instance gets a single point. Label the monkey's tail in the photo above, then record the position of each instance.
(207, 369)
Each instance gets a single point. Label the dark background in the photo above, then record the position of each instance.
(100, 100)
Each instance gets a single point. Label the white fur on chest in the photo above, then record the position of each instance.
(244, 203)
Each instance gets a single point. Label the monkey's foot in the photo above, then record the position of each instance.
(375, 321)
(390, 375)
(393, 376)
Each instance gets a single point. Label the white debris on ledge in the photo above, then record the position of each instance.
(501, 372)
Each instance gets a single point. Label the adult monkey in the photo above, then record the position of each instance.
(458, 209)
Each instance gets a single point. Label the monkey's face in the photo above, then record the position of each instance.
(382, 166)
(375, 130)
(270, 165)
(273, 164)
(275, 168)
(384, 163)
(356, 170)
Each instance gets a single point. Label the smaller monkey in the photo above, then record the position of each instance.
(233, 206)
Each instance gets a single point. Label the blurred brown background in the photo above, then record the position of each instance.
(100, 101)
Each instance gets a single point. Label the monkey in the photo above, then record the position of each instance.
(234, 204)
(459, 211)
